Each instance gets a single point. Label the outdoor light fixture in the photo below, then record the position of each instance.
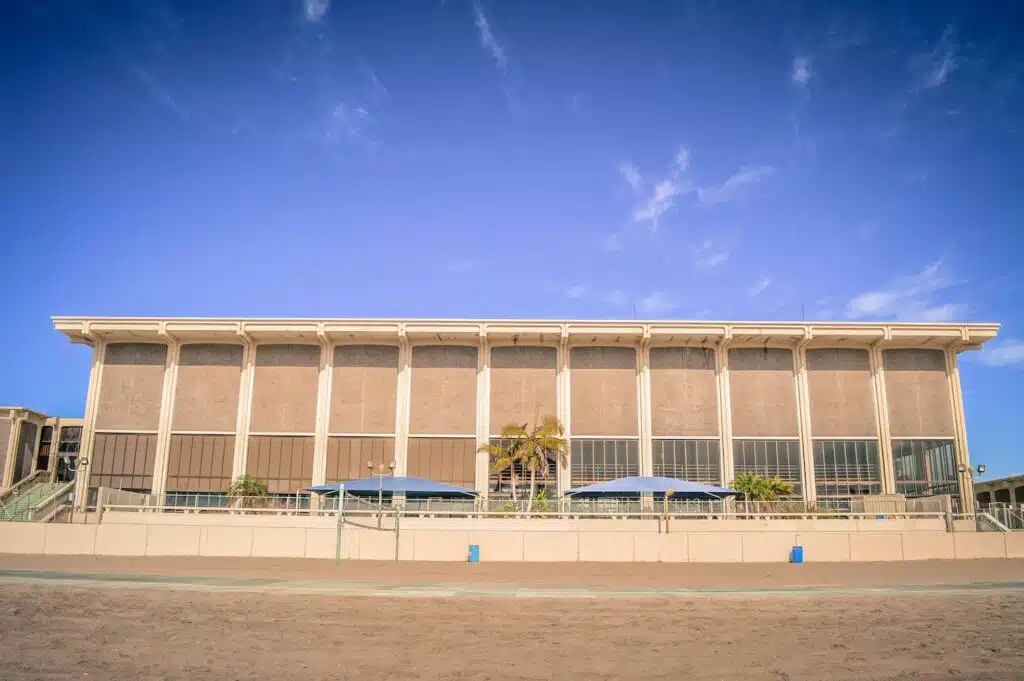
(380, 485)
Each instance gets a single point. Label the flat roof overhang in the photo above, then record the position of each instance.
(526, 332)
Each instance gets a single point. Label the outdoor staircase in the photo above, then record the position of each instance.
(22, 504)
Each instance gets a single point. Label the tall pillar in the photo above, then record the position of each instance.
(724, 409)
(803, 405)
(245, 381)
(402, 402)
(644, 403)
(163, 433)
(323, 411)
(964, 473)
(564, 408)
(885, 462)
(7, 474)
(483, 412)
(89, 423)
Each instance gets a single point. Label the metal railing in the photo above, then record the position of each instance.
(564, 507)
(50, 507)
(1009, 515)
(20, 486)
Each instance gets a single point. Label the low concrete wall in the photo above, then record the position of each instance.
(425, 540)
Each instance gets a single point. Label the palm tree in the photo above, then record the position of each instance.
(507, 452)
(543, 443)
(756, 487)
(245, 489)
(523, 449)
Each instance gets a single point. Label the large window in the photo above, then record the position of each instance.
(696, 460)
(846, 468)
(68, 444)
(600, 460)
(925, 467)
(770, 458)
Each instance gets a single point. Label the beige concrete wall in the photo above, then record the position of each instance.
(200, 463)
(524, 386)
(684, 392)
(443, 390)
(364, 389)
(131, 387)
(285, 389)
(284, 463)
(841, 394)
(206, 390)
(5, 435)
(763, 392)
(918, 393)
(139, 534)
(603, 391)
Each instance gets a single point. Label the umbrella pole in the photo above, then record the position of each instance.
(341, 525)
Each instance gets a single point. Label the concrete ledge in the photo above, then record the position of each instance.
(496, 546)
(767, 547)
(22, 537)
(825, 547)
(121, 540)
(226, 541)
(450, 546)
(605, 547)
(872, 546)
(167, 540)
(277, 542)
(78, 540)
(927, 546)
(660, 548)
(321, 542)
(979, 545)
(551, 547)
(715, 547)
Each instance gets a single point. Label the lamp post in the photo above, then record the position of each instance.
(380, 486)
(82, 464)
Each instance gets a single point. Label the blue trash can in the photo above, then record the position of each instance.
(797, 556)
(474, 553)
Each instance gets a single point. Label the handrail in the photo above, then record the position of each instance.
(16, 487)
(55, 499)
(991, 519)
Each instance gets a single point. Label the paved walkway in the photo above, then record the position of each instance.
(465, 590)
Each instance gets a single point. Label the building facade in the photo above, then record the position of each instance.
(179, 406)
(1009, 490)
(31, 441)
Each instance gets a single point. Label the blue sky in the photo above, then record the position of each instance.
(708, 160)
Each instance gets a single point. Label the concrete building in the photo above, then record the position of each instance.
(31, 441)
(839, 409)
(1009, 490)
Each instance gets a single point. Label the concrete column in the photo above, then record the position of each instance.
(7, 474)
(402, 403)
(89, 425)
(163, 433)
(564, 408)
(724, 409)
(245, 381)
(882, 419)
(483, 412)
(803, 405)
(323, 410)
(644, 403)
(963, 459)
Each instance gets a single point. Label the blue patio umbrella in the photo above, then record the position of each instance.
(682, 489)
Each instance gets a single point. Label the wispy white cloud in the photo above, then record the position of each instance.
(464, 265)
(1001, 353)
(707, 256)
(800, 71)
(760, 287)
(315, 9)
(616, 298)
(909, 298)
(665, 192)
(160, 93)
(932, 69)
(630, 174)
(658, 303)
(734, 187)
(575, 292)
(487, 39)
(613, 242)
